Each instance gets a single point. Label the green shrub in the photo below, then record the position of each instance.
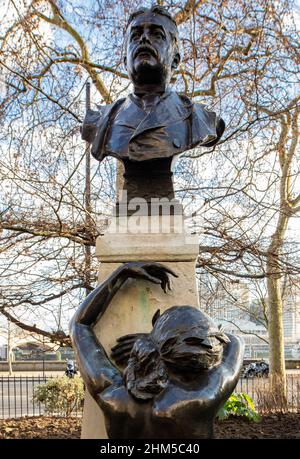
(60, 395)
(239, 404)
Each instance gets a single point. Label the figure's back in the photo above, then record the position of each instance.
(159, 418)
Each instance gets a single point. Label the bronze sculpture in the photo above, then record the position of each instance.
(176, 378)
(151, 126)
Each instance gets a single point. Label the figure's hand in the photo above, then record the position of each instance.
(122, 350)
(153, 272)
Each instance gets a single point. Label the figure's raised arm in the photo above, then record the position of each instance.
(233, 355)
(96, 368)
(222, 380)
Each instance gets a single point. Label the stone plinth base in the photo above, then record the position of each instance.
(134, 305)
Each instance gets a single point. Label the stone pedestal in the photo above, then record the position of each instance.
(134, 305)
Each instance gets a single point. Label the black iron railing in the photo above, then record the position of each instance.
(17, 397)
(265, 400)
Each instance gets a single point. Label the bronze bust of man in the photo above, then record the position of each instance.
(153, 124)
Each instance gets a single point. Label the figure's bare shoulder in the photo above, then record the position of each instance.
(167, 406)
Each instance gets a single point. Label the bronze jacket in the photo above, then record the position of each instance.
(173, 125)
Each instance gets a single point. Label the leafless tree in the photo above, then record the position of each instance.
(239, 57)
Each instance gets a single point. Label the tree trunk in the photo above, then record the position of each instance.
(9, 349)
(276, 343)
(87, 203)
(277, 373)
(288, 207)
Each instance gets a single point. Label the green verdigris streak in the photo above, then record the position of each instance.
(144, 303)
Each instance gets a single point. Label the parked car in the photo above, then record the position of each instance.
(256, 370)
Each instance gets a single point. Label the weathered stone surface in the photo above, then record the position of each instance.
(136, 302)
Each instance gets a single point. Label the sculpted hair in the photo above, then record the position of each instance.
(156, 9)
(146, 374)
(182, 339)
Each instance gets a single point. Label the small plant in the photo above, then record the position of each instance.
(239, 404)
(60, 395)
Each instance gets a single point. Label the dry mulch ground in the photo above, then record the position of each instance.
(271, 426)
(274, 426)
(40, 427)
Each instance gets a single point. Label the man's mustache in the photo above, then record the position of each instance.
(145, 48)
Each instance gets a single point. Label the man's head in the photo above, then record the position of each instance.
(151, 46)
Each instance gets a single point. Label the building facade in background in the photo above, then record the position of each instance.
(241, 308)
